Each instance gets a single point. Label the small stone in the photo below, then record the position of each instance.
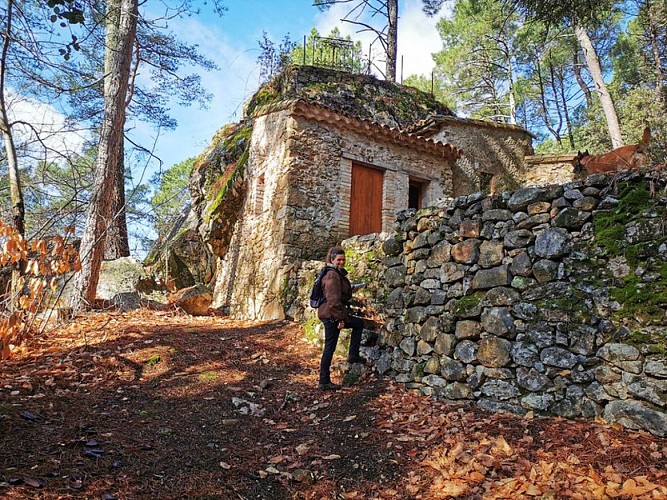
(521, 265)
(451, 369)
(540, 207)
(545, 270)
(444, 344)
(457, 390)
(469, 228)
(466, 252)
(518, 239)
(496, 215)
(432, 366)
(571, 218)
(491, 253)
(498, 321)
(557, 356)
(467, 329)
(500, 389)
(501, 296)
(466, 351)
(408, 346)
(494, 352)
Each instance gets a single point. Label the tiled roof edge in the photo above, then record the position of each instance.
(432, 121)
(317, 112)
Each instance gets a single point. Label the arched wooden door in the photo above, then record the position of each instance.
(366, 200)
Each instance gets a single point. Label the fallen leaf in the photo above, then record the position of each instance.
(331, 457)
(34, 482)
(225, 465)
(302, 449)
(348, 419)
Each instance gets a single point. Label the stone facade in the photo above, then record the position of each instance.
(542, 170)
(550, 300)
(298, 196)
(489, 150)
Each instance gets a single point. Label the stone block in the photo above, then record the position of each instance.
(637, 415)
(466, 351)
(444, 344)
(518, 239)
(552, 243)
(467, 329)
(451, 369)
(491, 278)
(469, 228)
(466, 252)
(491, 253)
(494, 352)
(498, 321)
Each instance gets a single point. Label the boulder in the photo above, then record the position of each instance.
(195, 300)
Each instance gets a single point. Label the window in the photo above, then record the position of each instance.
(416, 190)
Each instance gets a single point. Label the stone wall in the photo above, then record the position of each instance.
(488, 148)
(549, 300)
(249, 277)
(542, 170)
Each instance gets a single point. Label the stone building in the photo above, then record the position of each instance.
(316, 177)
(321, 156)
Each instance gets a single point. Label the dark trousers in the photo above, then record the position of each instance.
(331, 333)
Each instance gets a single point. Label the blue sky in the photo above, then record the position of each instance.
(232, 42)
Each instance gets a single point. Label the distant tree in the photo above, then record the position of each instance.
(329, 53)
(272, 60)
(386, 35)
(477, 66)
(363, 12)
(171, 195)
(580, 16)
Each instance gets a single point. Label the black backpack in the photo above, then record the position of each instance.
(316, 296)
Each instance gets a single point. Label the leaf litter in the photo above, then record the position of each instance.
(85, 409)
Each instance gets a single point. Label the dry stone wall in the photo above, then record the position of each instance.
(532, 301)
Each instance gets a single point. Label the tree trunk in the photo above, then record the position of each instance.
(121, 28)
(15, 191)
(576, 68)
(116, 243)
(595, 70)
(657, 59)
(392, 40)
(510, 80)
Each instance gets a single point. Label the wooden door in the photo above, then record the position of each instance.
(366, 200)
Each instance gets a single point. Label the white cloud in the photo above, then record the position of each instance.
(40, 132)
(418, 37)
(231, 85)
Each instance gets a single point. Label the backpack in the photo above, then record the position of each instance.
(316, 296)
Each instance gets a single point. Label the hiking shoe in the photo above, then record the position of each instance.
(328, 386)
(356, 359)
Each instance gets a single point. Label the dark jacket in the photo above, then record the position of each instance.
(337, 289)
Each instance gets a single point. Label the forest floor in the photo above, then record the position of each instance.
(161, 405)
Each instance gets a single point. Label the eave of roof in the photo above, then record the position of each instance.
(432, 124)
(302, 108)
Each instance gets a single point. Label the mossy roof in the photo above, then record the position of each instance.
(368, 128)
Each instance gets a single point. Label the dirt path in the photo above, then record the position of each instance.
(151, 405)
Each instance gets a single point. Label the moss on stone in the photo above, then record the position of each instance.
(574, 304)
(466, 305)
(311, 330)
(641, 301)
(652, 343)
(234, 152)
(609, 225)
